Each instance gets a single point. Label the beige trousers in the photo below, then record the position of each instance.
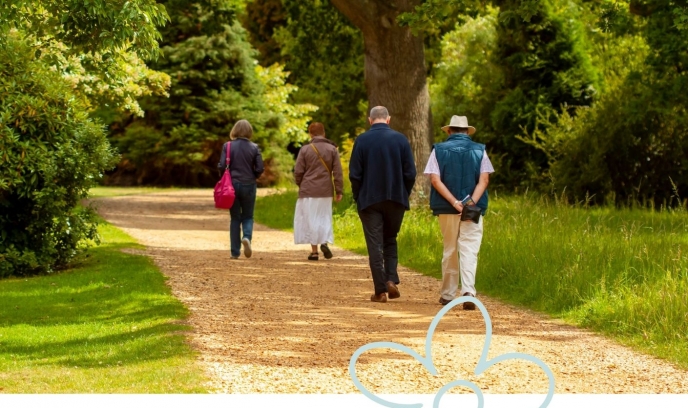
(461, 245)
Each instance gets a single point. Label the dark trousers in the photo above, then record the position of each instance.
(241, 215)
(381, 224)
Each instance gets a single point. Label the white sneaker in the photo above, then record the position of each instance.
(247, 247)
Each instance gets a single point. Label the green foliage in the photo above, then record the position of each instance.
(107, 325)
(639, 154)
(432, 14)
(468, 79)
(546, 68)
(97, 45)
(113, 80)
(511, 70)
(88, 26)
(522, 72)
(295, 118)
(262, 19)
(52, 154)
(215, 82)
(323, 52)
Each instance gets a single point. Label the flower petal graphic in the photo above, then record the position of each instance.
(459, 383)
(483, 362)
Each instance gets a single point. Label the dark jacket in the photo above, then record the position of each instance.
(459, 159)
(310, 173)
(381, 167)
(245, 161)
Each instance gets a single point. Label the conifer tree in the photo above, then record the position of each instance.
(214, 83)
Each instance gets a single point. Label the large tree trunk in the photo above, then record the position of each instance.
(395, 73)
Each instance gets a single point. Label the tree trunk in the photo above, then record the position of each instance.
(395, 74)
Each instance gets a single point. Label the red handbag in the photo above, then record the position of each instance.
(224, 190)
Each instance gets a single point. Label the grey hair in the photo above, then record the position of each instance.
(458, 129)
(379, 112)
(241, 129)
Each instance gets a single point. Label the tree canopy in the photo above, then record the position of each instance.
(214, 82)
(57, 61)
(585, 97)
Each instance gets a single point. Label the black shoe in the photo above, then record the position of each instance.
(313, 257)
(326, 251)
(468, 305)
(444, 301)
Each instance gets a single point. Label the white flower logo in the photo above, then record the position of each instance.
(483, 362)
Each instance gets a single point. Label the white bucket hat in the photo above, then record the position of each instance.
(459, 122)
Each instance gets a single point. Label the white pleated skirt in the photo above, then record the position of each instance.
(313, 221)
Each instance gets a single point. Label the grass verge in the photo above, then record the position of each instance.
(621, 272)
(109, 325)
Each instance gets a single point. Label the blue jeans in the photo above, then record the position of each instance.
(241, 215)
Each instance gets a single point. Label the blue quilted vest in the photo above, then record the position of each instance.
(459, 158)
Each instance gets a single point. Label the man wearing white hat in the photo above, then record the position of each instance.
(459, 170)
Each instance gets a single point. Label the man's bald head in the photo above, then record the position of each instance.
(379, 114)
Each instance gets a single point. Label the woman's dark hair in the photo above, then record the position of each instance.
(241, 129)
(316, 129)
(453, 129)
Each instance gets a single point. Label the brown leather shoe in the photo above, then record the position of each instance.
(392, 290)
(381, 298)
(468, 305)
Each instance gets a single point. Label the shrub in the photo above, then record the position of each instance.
(52, 154)
(638, 156)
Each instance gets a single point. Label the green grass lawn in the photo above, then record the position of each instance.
(108, 325)
(622, 272)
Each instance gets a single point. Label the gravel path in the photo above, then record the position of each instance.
(278, 323)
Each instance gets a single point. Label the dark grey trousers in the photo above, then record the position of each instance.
(381, 224)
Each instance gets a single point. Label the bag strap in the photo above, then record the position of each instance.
(321, 159)
(334, 190)
(229, 144)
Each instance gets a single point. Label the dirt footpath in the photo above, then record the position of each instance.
(278, 323)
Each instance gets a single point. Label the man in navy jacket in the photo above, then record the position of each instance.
(382, 174)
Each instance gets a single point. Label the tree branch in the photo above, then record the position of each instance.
(360, 12)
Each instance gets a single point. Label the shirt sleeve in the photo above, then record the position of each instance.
(337, 173)
(486, 164)
(409, 168)
(258, 167)
(300, 167)
(223, 158)
(433, 167)
(355, 171)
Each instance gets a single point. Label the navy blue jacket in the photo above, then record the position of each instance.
(381, 167)
(245, 161)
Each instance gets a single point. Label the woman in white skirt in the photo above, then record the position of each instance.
(318, 173)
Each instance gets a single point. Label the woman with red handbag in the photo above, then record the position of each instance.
(245, 166)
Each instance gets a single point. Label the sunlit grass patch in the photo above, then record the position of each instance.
(109, 325)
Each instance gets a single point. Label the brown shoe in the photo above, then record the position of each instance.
(381, 298)
(392, 290)
(468, 305)
(444, 301)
